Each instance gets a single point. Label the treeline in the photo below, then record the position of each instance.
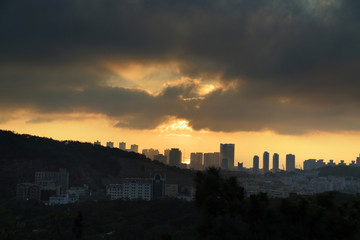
(169, 219)
(228, 214)
(221, 210)
(22, 155)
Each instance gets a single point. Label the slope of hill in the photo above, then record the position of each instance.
(22, 155)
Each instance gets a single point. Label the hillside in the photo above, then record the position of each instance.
(22, 155)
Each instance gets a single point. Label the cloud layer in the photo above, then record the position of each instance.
(292, 66)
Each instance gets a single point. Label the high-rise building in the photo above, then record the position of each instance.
(161, 158)
(150, 153)
(167, 155)
(320, 164)
(227, 152)
(134, 148)
(175, 157)
(97, 143)
(212, 160)
(265, 162)
(332, 164)
(122, 146)
(110, 144)
(275, 168)
(352, 164)
(256, 164)
(290, 162)
(342, 163)
(196, 160)
(310, 164)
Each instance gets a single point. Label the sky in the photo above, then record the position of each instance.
(276, 76)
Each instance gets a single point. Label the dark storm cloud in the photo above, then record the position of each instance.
(296, 62)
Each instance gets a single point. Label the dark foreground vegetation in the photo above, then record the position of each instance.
(23, 155)
(98, 220)
(228, 214)
(221, 211)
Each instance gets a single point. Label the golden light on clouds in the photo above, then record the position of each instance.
(146, 75)
(175, 125)
(206, 89)
(178, 133)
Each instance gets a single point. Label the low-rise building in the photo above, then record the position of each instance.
(26, 191)
(115, 191)
(63, 199)
(171, 190)
(50, 179)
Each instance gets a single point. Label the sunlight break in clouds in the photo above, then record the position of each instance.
(175, 125)
(145, 75)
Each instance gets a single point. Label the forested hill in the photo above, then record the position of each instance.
(22, 155)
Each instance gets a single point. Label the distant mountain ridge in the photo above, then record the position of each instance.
(22, 155)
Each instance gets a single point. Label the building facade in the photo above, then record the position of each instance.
(122, 146)
(150, 153)
(290, 162)
(275, 168)
(53, 179)
(227, 155)
(27, 191)
(134, 148)
(175, 157)
(161, 158)
(196, 160)
(256, 164)
(212, 160)
(309, 164)
(149, 188)
(265, 162)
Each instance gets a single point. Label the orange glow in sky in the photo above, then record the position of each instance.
(177, 134)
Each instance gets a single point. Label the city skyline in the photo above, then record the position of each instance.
(264, 75)
(274, 167)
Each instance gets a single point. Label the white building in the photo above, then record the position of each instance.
(131, 189)
(63, 199)
(115, 191)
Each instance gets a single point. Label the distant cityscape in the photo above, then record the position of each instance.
(224, 159)
(54, 187)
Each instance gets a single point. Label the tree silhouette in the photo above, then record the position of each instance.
(220, 201)
(77, 228)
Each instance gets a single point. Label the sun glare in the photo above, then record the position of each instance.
(206, 89)
(176, 125)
